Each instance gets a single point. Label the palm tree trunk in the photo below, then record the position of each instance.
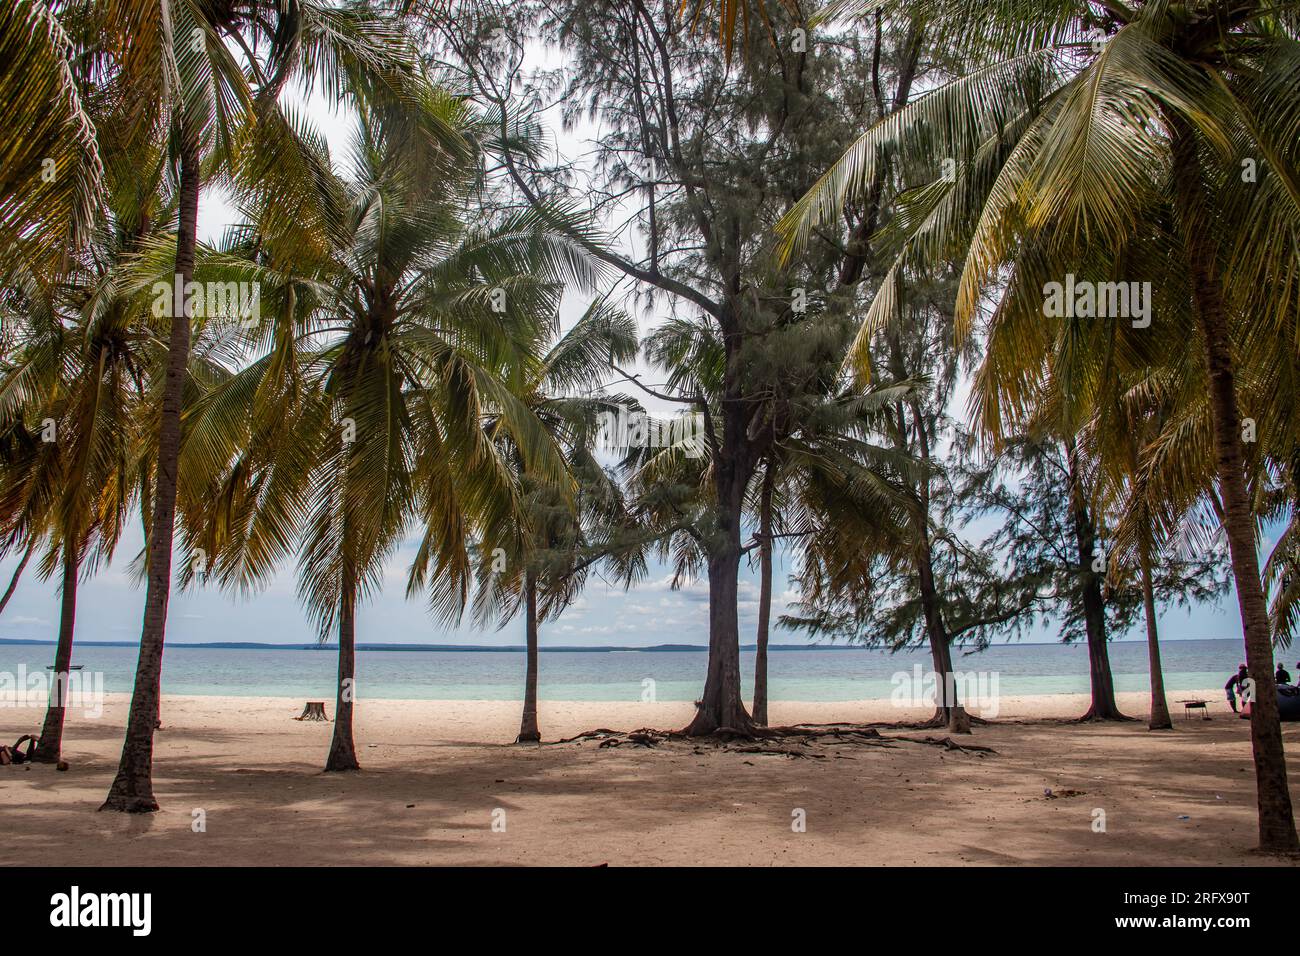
(1277, 831)
(1100, 681)
(1159, 705)
(18, 573)
(343, 752)
(528, 732)
(764, 596)
(50, 747)
(132, 789)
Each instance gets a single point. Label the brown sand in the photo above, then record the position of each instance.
(437, 773)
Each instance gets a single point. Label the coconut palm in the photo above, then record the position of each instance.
(207, 78)
(1121, 429)
(76, 399)
(399, 319)
(561, 531)
(51, 176)
(1113, 138)
(68, 466)
(18, 572)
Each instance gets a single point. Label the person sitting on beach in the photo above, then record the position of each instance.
(1282, 677)
(1234, 684)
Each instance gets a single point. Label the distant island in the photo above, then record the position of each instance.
(473, 648)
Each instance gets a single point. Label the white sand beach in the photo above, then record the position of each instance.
(436, 774)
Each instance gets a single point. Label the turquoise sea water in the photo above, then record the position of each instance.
(829, 674)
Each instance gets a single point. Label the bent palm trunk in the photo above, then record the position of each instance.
(50, 747)
(1277, 831)
(18, 573)
(132, 789)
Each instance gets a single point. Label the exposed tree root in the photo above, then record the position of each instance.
(947, 743)
(796, 742)
(1092, 717)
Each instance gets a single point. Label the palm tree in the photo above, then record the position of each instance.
(1122, 428)
(77, 486)
(76, 397)
(18, 573)
(399, 320)
(1080, 137)
(561, 531)
(51, 175)
(207, 78)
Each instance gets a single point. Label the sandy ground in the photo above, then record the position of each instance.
(437, 774)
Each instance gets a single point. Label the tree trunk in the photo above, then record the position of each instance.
(1094, 605)
(528, 732)
(132, 789)
(50, 747)
(1277, 831)
(1159, 705)
(948, 710)
(720, 706)
(343, 752)
(764, 596)
(18, 573)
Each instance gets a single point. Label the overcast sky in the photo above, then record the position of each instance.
(110, 605)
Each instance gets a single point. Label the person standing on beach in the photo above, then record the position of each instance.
(1282, 677)
(1235, 683)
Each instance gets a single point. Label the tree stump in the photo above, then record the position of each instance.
(313, 710)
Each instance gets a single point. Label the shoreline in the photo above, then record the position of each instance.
(488, 720)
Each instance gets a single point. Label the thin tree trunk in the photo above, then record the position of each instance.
(528, 732)
(50, 747)
(132, 788)
(1100, 680)
(18, 573)
(949, 711)
(1277, 831)
(343, 752)
(1159, 705)
(764, 596)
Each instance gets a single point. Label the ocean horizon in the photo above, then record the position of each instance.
(668, 672)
